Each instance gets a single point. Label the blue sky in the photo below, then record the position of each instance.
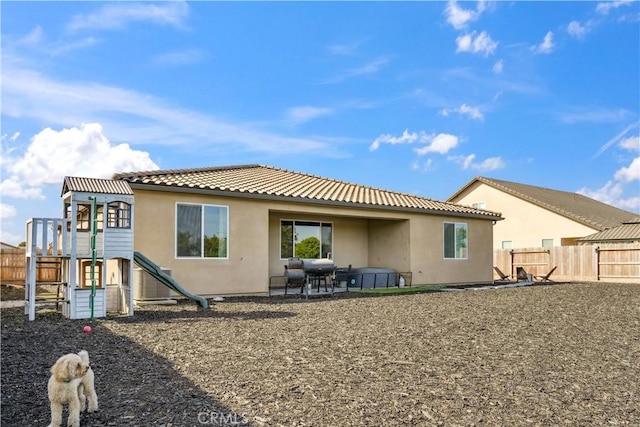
(416, 97)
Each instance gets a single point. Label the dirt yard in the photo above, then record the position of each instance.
(534, 356)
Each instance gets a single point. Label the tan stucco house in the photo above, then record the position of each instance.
(227, 230)
(537, 216)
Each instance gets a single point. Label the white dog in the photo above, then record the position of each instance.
(71, 383)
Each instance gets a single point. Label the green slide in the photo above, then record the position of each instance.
(150, 267)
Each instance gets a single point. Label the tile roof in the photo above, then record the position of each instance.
(575, 206)
(629, 231)
(281, 184)
(634, 220)
(95, 185)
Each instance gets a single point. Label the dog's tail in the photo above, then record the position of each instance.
(84, 355)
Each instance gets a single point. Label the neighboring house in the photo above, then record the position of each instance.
(628, 232)
(227, 230)
(4, 245)
(537, 216)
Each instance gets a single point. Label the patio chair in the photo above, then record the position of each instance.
(294, 275)
(521, 274)
(545, 278)
(503, 277)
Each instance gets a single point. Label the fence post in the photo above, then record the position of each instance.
(511, 262)
(598, 263)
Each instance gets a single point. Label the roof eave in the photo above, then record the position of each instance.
(489, 182)
(463, 189)
(302, 200)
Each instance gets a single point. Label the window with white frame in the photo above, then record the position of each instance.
(305, 239)
(455, 240)
(547, 243)
(507, 244)
(202, 231)
(479, 205)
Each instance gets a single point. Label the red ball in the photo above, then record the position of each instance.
(86, 329)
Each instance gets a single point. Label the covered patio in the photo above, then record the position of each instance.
(336, 280)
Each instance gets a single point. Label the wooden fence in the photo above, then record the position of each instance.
(605, 263)
(13, 267)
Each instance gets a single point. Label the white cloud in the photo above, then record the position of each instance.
(609, 193)
(305, 113)
(546, 46)
(489, 164)
(630, 17)
(11, 138)
(459, 17)
(11, 187)
(83, 151)
(604, 7)
(369, 68)
(613, 192)
(597, 116)
(60, 48)
(498, 67)
(422, 166)
(405, 138)
(344, 49)
(617, 138)
(181, 57)
(34, 37)
(7, 211)
(134, 116)
(575, 29)
(440, 143)
(631, 203)
(632, 143)
(36, 43)
(482, 43)
(630, 173)
(120, 15)
(465, 110)
(468, 162)
(465, 161)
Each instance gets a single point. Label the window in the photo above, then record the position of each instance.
(547, 243)
(455, 240)
(305, 239)
(118, 215)
(507, 244)
(83, 216)
(86, 274)
(202, 231)
(479, 205)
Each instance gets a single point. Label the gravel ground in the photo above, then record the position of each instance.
(534, 356)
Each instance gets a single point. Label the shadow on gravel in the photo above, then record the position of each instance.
(135, 386)
(201, 314)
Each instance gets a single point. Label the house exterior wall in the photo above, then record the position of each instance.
(246, 269)
(525, 224)
(406, 241)
(390, 244)
(427, 253)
